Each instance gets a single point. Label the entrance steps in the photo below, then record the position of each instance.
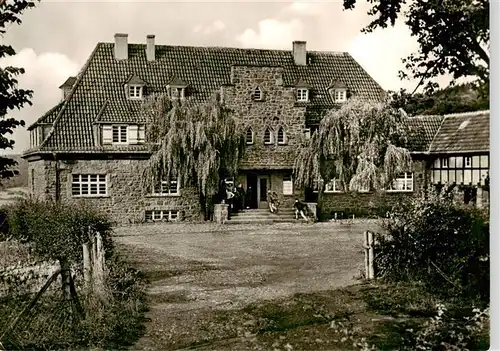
(262, 216)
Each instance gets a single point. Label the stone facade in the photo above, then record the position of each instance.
(126, 200)
(371, 203)
(277, 108)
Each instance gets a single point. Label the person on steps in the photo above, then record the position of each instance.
(300, 208)
(272, 201)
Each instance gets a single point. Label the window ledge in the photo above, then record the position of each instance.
(163, 195)
(90, 196)
(399, 191)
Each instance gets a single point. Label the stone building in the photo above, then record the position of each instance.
(91, 146)
(448, 149)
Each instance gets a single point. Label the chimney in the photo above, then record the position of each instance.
(150, 47)
(299, 53)
(121, 46)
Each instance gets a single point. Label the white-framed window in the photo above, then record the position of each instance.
(268, 136)
(467, 162)
(340, 95)
(161, 215)
(120, 134)
(287, 185)
(281, 136)
(257, 94)
(249, 136)
(333, 186)
(177, 93)
(404, 182)
(135, 91)
(88, 185)
(302, 94)
(167, 188)
(466, 170)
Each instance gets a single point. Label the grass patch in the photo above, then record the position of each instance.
(400, 299)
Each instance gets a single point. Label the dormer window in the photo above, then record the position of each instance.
(268, 137)
(120, 134)
(177, 93)
(134, 88)
(257, 94)
(177, 89)
(340, 95)
(338, 91)
(135, 91)
(302, 94)
(249, 136)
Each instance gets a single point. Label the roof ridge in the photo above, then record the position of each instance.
(366, 72)
(436, 134)
(468, 113)
(233, 48)
(70, 95)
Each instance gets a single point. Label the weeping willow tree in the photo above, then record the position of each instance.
(194, 143)
(362, 145)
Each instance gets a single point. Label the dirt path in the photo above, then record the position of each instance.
(202, 276)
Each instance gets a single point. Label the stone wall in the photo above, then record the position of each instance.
(277, 108)
(24, 279)
(126, 201)
(372, 203)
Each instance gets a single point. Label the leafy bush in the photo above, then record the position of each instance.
(54, 230)
(445, 332)
(57, 231)
(438, 242)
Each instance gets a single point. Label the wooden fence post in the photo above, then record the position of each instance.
(87, 270)
(369, 255)
(99, 265)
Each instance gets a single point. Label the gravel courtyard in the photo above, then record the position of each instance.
(196, 270)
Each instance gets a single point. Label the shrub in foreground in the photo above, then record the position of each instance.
(438, 242)
(56, 232)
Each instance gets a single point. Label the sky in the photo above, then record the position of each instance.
(56, 38)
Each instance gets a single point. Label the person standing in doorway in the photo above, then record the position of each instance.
(241, 196)
(249, 196)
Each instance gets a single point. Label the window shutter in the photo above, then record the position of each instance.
(142, 134)
(133, 134)
(107, 134)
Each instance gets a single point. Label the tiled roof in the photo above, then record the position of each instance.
(422, 131)
(49, 116)
(205, 69)
(136, 80)
(463, 132)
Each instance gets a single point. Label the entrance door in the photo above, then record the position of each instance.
(262, 192)
(252, 191)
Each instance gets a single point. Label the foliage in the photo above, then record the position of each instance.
(56, 231)
(120, 322)
(114, 325)
(362, 144)
(439, 242)
(453, 99)
(11, 97)
(444, 331)
(196, 142)
(453, 36)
